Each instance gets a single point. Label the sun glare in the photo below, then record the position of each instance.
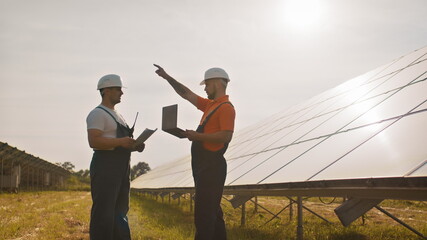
(303, 14)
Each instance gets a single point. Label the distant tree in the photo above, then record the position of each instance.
(83, 176)
(139, 169)
(67, 165)
(83, 173)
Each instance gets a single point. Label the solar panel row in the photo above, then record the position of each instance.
(370, 126)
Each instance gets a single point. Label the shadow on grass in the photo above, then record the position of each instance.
(153, 219)
(238, 232)
(156, 220)
(348, 236)
(166, 214)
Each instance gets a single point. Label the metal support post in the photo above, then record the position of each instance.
(11, 175)
(38, 179)
(28, 178)
(291, 210)
(243, 219)
(1, 175)
(300, 223)
(32, 179)
(256, 204)
(191, 202)
(42, 179)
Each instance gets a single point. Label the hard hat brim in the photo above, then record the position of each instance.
(204, 81)
(111, 87)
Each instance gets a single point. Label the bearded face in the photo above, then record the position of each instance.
(211, 87)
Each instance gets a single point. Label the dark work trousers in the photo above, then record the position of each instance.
(110, 184)
(209, 173)
(110, 187)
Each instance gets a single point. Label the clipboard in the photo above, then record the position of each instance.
(145, 135)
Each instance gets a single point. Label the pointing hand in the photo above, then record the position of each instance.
(161, 72)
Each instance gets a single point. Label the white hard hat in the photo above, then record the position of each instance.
(110, 80)
(215, 73)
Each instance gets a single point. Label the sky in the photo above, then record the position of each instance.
(277, 53)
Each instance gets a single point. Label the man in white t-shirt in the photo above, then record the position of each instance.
(112, 141)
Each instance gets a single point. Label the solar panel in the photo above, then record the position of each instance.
(371, 126)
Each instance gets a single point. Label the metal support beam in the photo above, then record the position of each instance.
(276, 215)
(241, 200)
(317, 215)
(312, 212)
(400, 222)
(257, 204)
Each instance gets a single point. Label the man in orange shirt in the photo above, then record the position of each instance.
(209, 143)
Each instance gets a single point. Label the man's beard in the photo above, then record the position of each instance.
(211, 96)
(117, 101)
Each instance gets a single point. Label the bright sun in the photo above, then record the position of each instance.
(303, 14)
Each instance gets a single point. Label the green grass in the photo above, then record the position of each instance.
(158, 219)
(44, 215)
(65, 215)
(77, 183)
(150, 219)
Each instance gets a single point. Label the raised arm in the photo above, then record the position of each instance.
(182, 90)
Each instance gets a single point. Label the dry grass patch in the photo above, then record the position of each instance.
(47, 215)
(65, 215)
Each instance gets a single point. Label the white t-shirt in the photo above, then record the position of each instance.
(99, 119)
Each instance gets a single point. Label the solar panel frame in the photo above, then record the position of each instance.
(337, 137)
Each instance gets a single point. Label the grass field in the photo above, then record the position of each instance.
(65, 215)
